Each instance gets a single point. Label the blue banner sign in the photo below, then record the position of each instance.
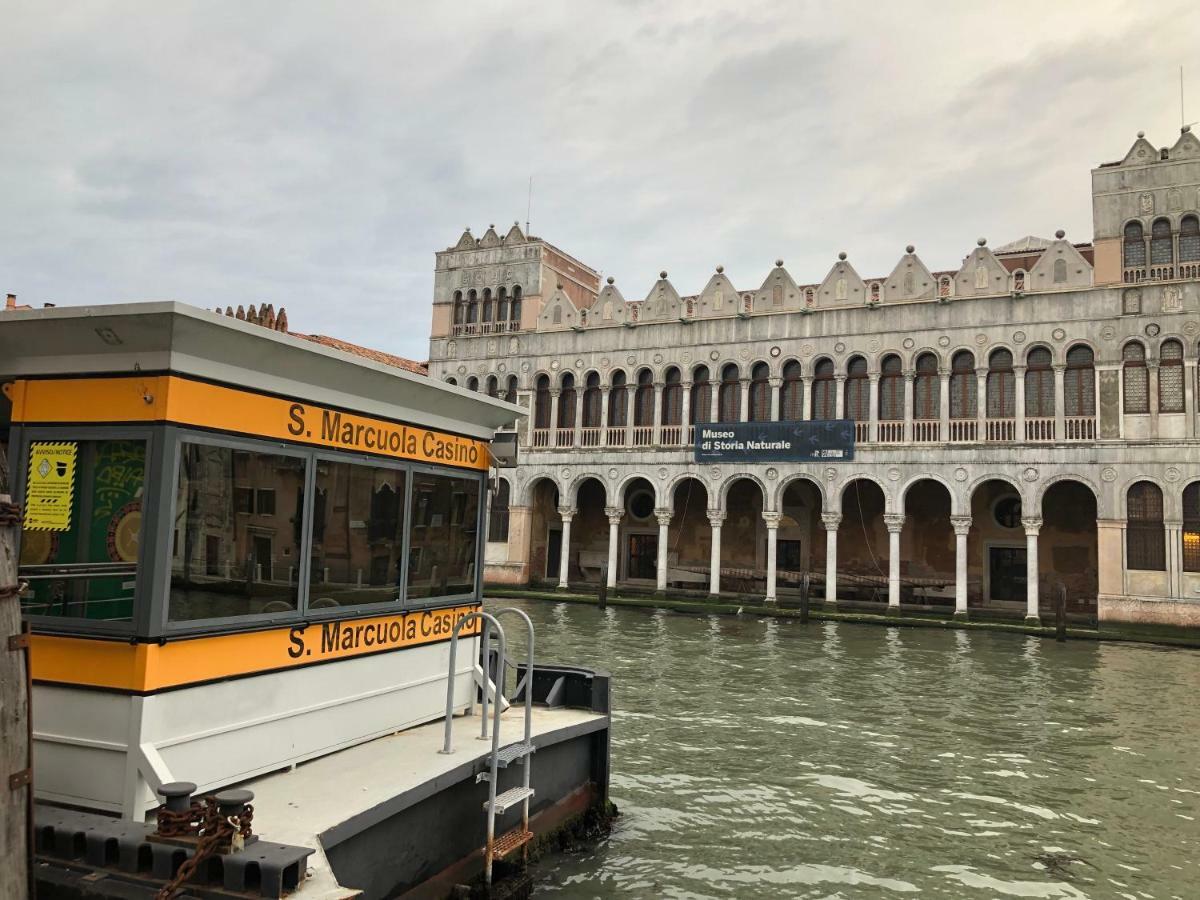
(809, 441)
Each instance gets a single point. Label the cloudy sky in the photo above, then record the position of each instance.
(315, 154)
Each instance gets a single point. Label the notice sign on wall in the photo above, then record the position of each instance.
(50, 491)
(809, 441)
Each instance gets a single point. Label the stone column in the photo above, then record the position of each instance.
(839, 399)
(1189, 396)
(685, 413)
(776, 384)
(1060, 403)
(831, 522)
(909, 405)
(805, 397)
(630, 392)
(664, 522)
(772, 520)
(1174, 535)
(604, 392)
(744, 410)
(1032, 527)
(715, 518)
(577, 436)
(944, 404)
(615, 514)
(714, 396)
(564, 555)
(873, 408)
(962, 526)
(1019, 403)
(981, 404)
(1152, 369)
(553, 417)
(656, 438)
(895, 525)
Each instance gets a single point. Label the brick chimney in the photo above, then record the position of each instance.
(11, 302)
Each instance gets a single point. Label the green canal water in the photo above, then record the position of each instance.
(757, 758)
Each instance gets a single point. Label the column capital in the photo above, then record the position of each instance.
(962, 524)
(1152, 364)
(1032, 526)
(894, 522)
(839, 377)
(658, 386)
(775, 381)
(715, 518)
(1172, 523)
(567, 513)
(981, 370)
(771, 518)
(1110, 523)
(663, 515)
(873, 377)
(614, 513)
(1059, 368)
(944, 374)
(1019, 371)
(831, 520)
(554, 393)
(910, 376)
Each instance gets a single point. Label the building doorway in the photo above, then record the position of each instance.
(642, 560)
(1006, 574)
(262, 557)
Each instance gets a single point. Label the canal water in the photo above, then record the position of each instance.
(760, 758)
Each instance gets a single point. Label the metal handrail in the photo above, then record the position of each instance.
(490, 622)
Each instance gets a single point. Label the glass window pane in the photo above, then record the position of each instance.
(442, 535)
(237, 533)
(82, 562)
(358, 535)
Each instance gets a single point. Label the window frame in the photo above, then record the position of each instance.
(476, 592)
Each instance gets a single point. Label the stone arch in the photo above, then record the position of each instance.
(956, 500)
(1079, 342)
(1010, 480)
(910, 357)
(618, 496)
(1172, 500)
(792, 478)
(888, 499)
(1022, 359)
(525, 494)
(1044, 486)
(607, 381)
(573, 490)
(727, 483)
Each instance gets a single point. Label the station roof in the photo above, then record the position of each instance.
(163, 336)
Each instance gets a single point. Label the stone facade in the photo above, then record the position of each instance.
(1024, 424)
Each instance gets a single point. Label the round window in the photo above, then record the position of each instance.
(641, 504)
(1007, 512)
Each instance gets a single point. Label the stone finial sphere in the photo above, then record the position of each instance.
(611, 280)
(1060, 234)
(720, 269)
(909, 249)
(842, 255)
(662, 274)
(982, 242)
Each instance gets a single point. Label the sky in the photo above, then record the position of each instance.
(316, 155)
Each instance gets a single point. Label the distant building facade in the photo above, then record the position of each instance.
(1024, 424)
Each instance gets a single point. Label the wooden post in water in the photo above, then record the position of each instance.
(804, 598)
(603, 593)
(15, 773)
(1060, 614)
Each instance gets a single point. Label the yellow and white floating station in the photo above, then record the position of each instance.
(245, 551)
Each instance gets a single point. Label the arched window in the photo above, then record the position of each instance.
(927, 388)
(617, 406)
(1191, 527)
(1136, 381)
(672, 401)
(510, 393)
(460, 312)
(1060, 271)
(760, 393)
(502, 305)
(944, 286)
(874, 291)
(643, 399)
(1189, 239)
(1001, 386)
(541, 402)
(891, 389)
(810, 297)
(791, 394)
(729, 398)
(514, 309)
(701, 400)
(493, 386)
(473, 384)
(963, 396)
(472, 307)
(498, 513)
(824, 400)
(1039, 384)
(1145, 545)
(858, 391)
(487, 304)
(1019, 280)
(1134, 246)
(1161, 252)
(453, 381)
(1079, 388)
(566, 402)
(592, 400)
(1170, 377)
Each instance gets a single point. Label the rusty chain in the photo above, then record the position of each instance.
(215, 832)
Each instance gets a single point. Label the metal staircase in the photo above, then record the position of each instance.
(499, 757)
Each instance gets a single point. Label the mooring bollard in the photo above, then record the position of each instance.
(804, 598)
(1060, 614)
(602, 595)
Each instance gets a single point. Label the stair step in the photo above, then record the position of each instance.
(512, 753)
(513, 840)
(509, 799)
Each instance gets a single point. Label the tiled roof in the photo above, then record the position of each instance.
(388, 359)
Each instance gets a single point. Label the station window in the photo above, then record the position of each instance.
(238, 518)
(358, 535)
(443, 523)
(83, 528)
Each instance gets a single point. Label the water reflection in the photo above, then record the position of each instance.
(755, 758)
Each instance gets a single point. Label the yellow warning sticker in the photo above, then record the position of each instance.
(50, 491)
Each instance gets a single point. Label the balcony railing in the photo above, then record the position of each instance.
(1039, 428)
(564, 437)
(671, 435)
(643, 435)
(1080, 428)
(541, 437)
(472, 328)
(1001, 429)
(589, 436)
(616, 435)
(926, 431)
(891, 432)
(862, 432)
(963, 430)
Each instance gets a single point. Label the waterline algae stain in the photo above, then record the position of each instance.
(760, 758)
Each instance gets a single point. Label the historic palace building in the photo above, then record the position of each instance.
(1024, 424)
